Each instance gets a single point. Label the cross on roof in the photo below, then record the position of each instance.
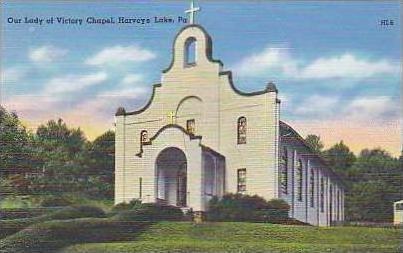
(192, 11)
(171, 117)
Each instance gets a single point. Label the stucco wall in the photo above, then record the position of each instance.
(204, 93)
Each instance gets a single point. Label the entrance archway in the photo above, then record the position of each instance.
(171, 171)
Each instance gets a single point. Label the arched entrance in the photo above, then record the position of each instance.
(171, 181)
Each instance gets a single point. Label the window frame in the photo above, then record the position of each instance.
(284, 171)
(312, 187)
(241, 181)
(141, 137)
(242, 140)
(322, 194)
(300, 179)
(188, 126)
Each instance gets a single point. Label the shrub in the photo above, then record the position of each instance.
(53, 201)
(19, 213)
(151, 212)
(239, 207)
(277, 211)
(51, 236)
(9, 227)
(133, 204)
(75, 212)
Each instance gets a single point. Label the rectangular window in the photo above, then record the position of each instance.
(299, 180)
(338, 204)
(312, 188)
(241, 180)
(284, 171)
(191, 126)
(322, 193)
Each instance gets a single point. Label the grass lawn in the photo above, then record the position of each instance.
(250, 237)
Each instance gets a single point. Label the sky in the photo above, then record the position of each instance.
(336, 66)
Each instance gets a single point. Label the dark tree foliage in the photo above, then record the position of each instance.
(102, 164)
(62, 153)
(314, 142)
(340, 159)
(16, 155)
(375, 181)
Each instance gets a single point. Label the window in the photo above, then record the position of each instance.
(338, 205)
(191, 126)
(241, 180)
(299, 180)
(241, 130)
(322, 195)
(144, 136)
(284, 171)
(190, 52)
(312, 188)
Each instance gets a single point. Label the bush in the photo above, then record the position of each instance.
(277, 210)
(239, 207)
(9, 227)
(53, 235)
(133, 204)
(151, 212)
(75, 212)
(19, 213)
(54, 201)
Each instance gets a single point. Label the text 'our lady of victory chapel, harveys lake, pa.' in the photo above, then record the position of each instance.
(199, 136)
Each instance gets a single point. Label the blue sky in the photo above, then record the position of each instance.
(337, 68)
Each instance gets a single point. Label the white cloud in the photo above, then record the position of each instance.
(73, 83)
(119, 54)
(270, 59)
(317, 105)
(346, 66)
(11, 75)
(132, 79)
(279, 61)
(131, 86)
(134, 92)
(372, 108)
(46, 54)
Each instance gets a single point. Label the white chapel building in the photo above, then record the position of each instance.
(199, 136)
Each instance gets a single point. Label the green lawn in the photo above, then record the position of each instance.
(250, 237)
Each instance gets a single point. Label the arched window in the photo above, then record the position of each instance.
(322, 195)
(312, 188)
(190, 52)
(241, 130)
(144, 137)
(338, 205)
(284, 171)
(299, 180)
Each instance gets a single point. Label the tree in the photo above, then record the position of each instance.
(376, 179)
(340, 158)
(62, 155)
(102, 164)
(15, 152)
(314, 142)
(370, 201)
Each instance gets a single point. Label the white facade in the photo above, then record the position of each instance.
(199, 137)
